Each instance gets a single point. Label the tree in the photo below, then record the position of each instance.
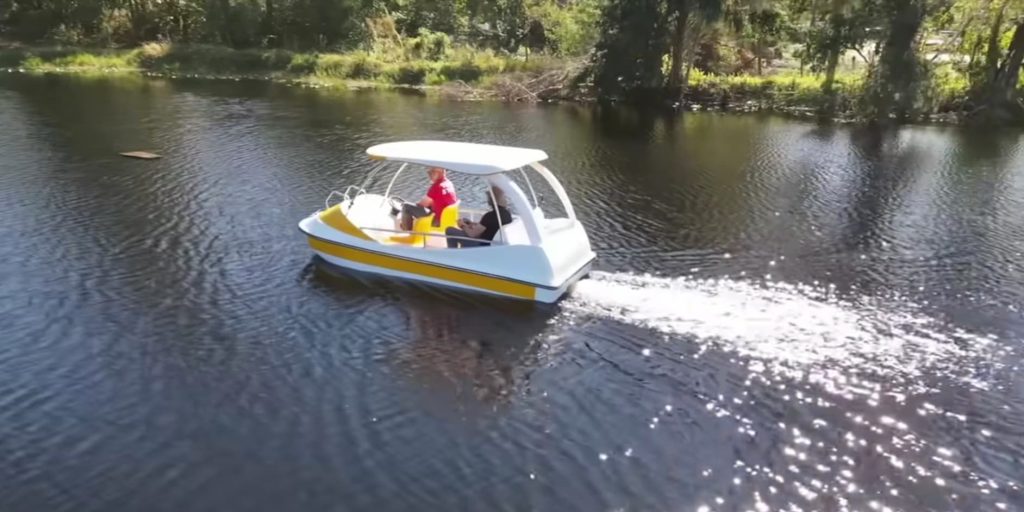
(832, 29)
(994, 45)
(628, 56)
(683, 13)
(893, 80)
(570, 28)
(760, 27)
(1007, 75)
(500, 24)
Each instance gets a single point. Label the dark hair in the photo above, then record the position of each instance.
(497, 197)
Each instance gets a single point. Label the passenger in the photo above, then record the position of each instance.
(440, 195)
(486, 228)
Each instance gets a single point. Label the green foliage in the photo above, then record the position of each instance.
(945, 90)
(415, 16)
(303, 63)
(66, 59)
(787, 92)
(760, 28)
(498, 24)
(628, 57)
(356, 65)
(409, 73)
(826, 33)
(635, 49)
(569, 29)
(429, 45)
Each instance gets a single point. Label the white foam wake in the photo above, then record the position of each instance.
(794, 325)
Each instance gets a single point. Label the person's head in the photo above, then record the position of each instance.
(497, 195)
(436, 173)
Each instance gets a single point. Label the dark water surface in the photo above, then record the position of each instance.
(784, 316)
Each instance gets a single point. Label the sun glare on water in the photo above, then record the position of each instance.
(790, 327)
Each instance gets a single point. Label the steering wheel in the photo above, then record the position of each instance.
(396, 202)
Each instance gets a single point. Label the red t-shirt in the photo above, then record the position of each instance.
(442, 192)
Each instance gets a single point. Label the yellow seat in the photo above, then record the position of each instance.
(449, 218)
(416, 238)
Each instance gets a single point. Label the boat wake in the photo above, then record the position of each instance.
(794, 328)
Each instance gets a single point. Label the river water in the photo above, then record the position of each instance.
(783, 315)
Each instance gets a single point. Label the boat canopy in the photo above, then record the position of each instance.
(465, 157)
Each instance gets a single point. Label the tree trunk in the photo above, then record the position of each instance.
(830, 70)
(223, 31)
(836, 21)
(1008, 75)
(675, 74)
(828, 86)
(898, 66)
(993, 49)
(268, 23)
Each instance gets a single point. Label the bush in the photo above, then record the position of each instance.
(115, 27)
(33, 62)
(428, 45)
(463, 63)
(365, 66)
(412, 73)
(355, 65)
(434, 77)
(466, 70)
(278, 60)
(470, 66)
(791, 90)
(152, 51)
(100, 61)
(337, 66)
(945, 90)
(303, 63)
(57, 58)
(568, 26)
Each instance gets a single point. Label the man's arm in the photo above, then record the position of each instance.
(426, 202)
(474, 229)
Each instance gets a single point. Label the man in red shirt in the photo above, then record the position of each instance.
(440, 195)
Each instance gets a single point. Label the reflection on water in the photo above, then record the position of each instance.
(786, 316)
(473, 350)
(460, 349)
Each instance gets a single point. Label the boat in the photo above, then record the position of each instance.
(538, 256)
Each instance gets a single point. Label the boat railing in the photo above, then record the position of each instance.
(425, 233)
(345, 197)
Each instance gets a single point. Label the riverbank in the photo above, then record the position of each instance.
(470, 74)
(480, 68)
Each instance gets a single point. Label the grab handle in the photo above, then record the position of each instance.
(345, 197)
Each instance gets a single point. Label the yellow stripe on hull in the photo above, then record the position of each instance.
(488, 283)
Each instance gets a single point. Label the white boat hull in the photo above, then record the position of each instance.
(527, 272)
(544, 295)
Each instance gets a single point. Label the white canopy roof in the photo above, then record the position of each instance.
(458, 156)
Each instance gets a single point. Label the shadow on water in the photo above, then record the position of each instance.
(466, 347)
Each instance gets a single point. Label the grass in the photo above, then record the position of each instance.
(945, 91)
(65, 58)
(787, 89)
(463, 64)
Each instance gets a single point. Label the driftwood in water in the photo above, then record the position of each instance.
(145, 155)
